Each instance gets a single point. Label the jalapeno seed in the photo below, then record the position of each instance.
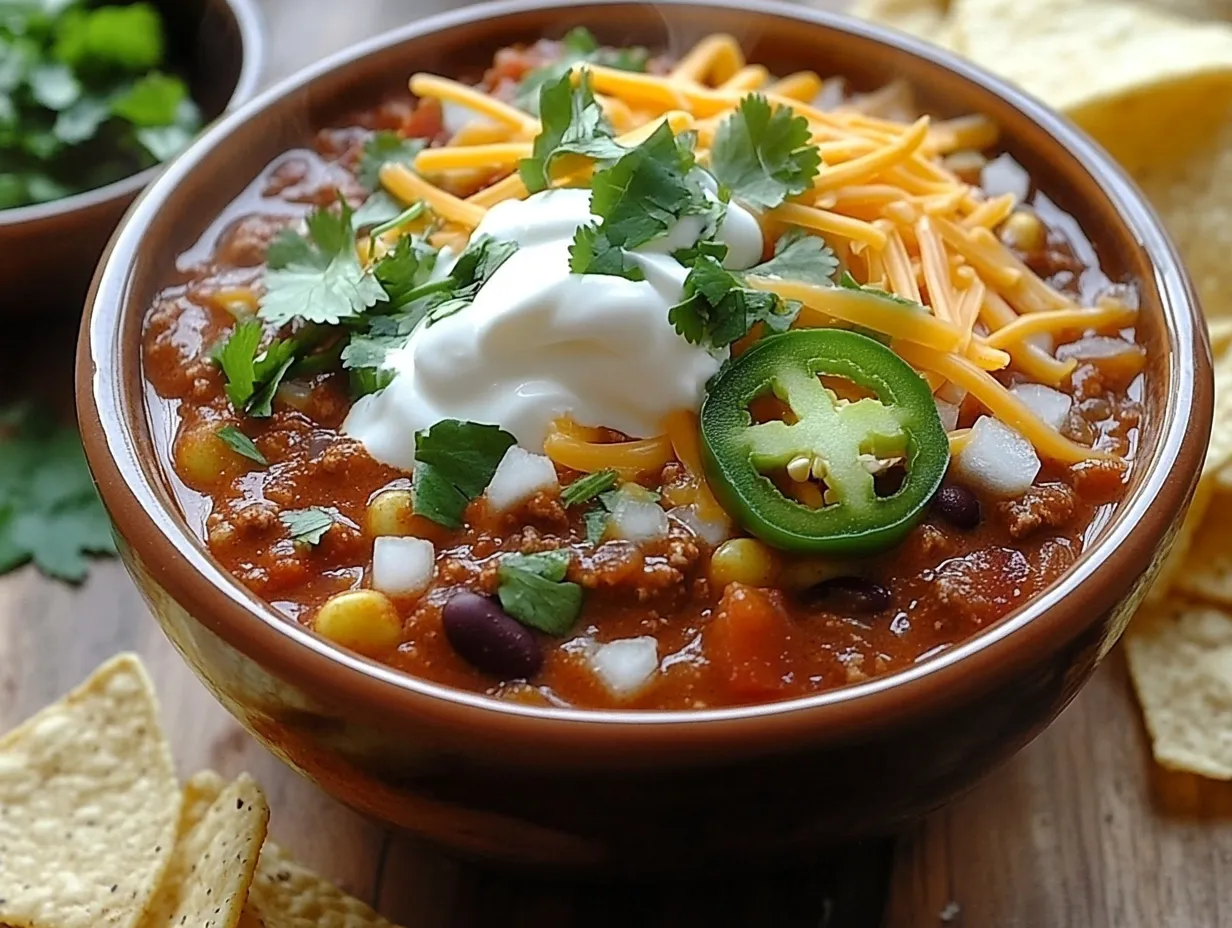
(958, 506)
(848, 594)
(485, 636)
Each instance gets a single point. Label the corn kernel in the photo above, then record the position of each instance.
(743, 560)
(1023, 232)
(362, 620)
(203, 460)
(391, 512)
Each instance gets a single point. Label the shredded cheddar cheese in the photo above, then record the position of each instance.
(884, 198)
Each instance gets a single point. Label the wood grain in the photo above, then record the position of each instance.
(1078, 830)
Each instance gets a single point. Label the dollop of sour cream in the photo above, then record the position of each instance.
(540, 342)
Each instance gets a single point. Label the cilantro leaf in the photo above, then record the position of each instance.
(454, 463)
(253, 374)
(318, 277)
(592, 253)
(404, 270)
(240, 443)
(847, 282)
(718, 309)
(385, 146)
(578, 45)
(532, 589)
(596, 521)
(118, 38)
(379, 208)
(54, 86)
(481, 259)
(764, 155)
(573, 124)
(50, 512)
(153, 100)
(800, 257)
(587, 488)
(643, 194)
(307, 526)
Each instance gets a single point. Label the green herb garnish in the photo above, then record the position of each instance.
(587, 488)
(719, 309)
(578, 46)
(50, 512)
(800, 257)
(764, 155)
(307, 526)
(385, 147)
(573, 124)
(253, 373)
(454, 463)
(592, 253)
(240, 443)
(83, 97)
(317, 277)
(534, 591)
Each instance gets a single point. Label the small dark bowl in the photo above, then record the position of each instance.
(651, 789)
(48, 251)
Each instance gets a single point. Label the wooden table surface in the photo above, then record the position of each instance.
(1080, 829)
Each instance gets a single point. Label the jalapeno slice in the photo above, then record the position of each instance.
(838, 437)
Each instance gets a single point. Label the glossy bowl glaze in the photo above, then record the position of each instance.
(48, 252)
(651, 789)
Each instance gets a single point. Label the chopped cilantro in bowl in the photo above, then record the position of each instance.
(87, 97)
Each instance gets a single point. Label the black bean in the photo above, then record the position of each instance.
(482, 633)
(848, 594)
(958, 506)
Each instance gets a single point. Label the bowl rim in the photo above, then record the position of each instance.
(292, 652)
(248, 19)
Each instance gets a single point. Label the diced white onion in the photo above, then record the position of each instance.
(455, 117)
(402, 566)
(1050, 405)
(637, 520)
(1042, 341)
(519, 476)
(712, 531)
(626, 666)
(948, 413)
(997, 459)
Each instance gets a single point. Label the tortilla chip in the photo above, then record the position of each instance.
(1149, 86)
(925, 19)
(287, 894)
(1180, 659)
(1207, 571)
(215, 855)
(89, 802)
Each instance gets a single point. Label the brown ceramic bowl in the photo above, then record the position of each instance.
(48, 251)
(641, 789)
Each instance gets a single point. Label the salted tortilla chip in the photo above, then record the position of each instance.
(1180, 659)
(925, 19)
(286, 894)
(89, 803)
(214, 860)
(1207, 570)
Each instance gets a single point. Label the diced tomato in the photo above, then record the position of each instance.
(424, 122)
(748, 641)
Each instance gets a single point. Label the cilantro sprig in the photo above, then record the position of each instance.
(800, 257)
(587, 488)
(577, 47)
(719, 309)
(84, 97)
(532, 588)
(307, 526)
(50, 513)
(317, 277)
(382, 148)
(763, 154)
(573, 124)
(454, 463)
(240, 443)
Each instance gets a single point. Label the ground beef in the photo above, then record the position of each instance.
(247, 239)
(982, 586)
(1049, 506)
(1098, 481)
